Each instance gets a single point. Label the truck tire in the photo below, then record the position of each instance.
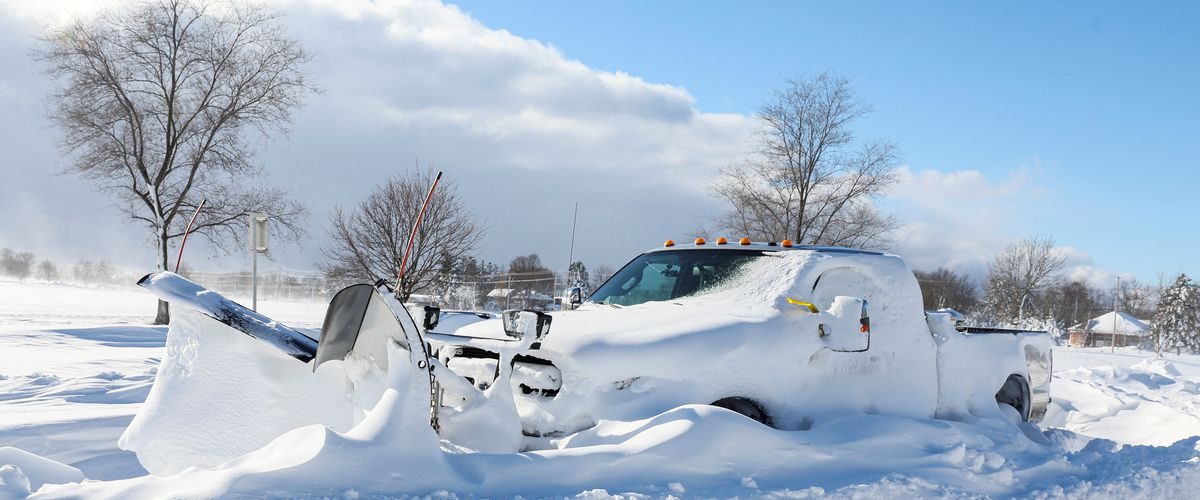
(746, 407)
(1015, 393)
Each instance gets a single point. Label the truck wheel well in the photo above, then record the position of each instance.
(1015, 393)
(746, 407)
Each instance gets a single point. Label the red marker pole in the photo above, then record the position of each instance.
(179, 259)
(413, 236)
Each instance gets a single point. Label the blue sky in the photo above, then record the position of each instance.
(1101, 100)
(1074, 120)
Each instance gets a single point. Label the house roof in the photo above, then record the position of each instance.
(1116, 322)
(504, 293)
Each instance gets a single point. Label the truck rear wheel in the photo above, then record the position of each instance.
(1015, 393)
(746, 407)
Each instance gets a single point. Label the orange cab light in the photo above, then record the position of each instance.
(699, 241)
(722, 240)
(744, 241)
(669, 243)
(786, 243)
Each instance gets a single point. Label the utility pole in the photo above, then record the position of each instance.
(1074, 312)
(1116, 294)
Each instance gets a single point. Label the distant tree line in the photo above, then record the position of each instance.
(1025, 287)
(25, 265)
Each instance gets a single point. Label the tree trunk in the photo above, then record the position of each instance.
(163, 316)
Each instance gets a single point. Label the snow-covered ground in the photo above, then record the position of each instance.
(76, 364)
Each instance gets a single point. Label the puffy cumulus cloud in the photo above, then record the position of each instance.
(1081, 267)
(957, 219)
(412, 67)
(523, 130)
(961, 219)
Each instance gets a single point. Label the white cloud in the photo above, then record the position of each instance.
(961, 219)
(524, 130)
(956, 219)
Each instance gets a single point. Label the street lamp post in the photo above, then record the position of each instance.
(258, 244)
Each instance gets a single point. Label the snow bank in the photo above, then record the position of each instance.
(219, 394)
(13, 483)
(1149, 402)
(27, 471)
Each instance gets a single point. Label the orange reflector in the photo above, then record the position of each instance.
(699, 241)
(722, 240)
(669, 243)
(786, 243)
(744, 241)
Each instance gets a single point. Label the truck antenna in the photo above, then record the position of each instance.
(571, 254)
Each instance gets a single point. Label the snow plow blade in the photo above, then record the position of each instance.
(359, 320)
(180, 291)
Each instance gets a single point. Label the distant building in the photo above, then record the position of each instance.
(510, 298)
(1110, 328)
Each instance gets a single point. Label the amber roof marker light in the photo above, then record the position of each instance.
(699, 241)
(722, 240)
(744, 241)
(669, 243)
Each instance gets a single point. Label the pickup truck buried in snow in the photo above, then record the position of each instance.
(783, 334)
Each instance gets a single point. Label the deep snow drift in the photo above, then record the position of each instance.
(67, 393)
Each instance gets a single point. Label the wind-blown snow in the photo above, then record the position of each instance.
(1122, 424)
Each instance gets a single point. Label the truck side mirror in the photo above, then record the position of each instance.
(846, 326)
(433, 314)
(574, 296)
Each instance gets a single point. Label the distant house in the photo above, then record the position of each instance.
(510, 298)
(1110, 328)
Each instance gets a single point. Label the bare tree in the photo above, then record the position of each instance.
(945, 288)
(17, 265)
(1072, 302)
(1136, 298)
(157, 105)
(47, 270)
(808, 179)
(368, 241)
(1020, 273)
(526, 274)
(600, 275)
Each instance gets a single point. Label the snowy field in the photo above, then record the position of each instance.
(76, 364)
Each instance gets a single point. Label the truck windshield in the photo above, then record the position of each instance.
(670, 275)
